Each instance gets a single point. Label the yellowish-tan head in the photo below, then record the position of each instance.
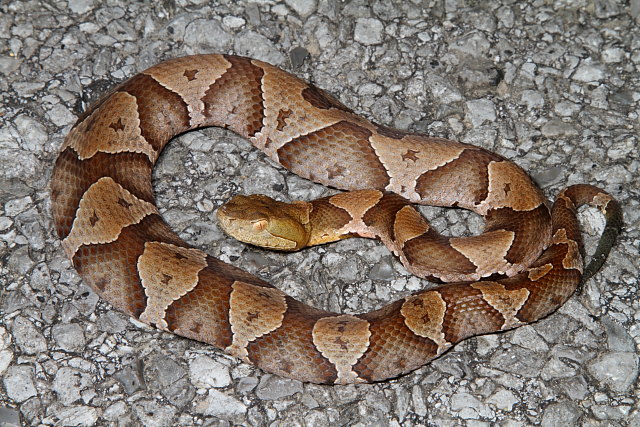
(262, 221)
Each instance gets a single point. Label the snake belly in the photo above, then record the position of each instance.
(105, 214)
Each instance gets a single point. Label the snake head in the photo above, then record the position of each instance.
(262, 221)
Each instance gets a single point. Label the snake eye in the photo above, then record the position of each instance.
(259, 225)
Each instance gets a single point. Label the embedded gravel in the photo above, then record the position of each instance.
(553, 85)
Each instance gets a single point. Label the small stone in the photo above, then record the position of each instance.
(116, 412)
(29, 225)
(247, 384)
(69, 337)
(388, 10)
(218, 404)
(560, 414)
(555, 128)
(419, 405)
(68, 312)
(527, 337)
(635, 13)
(588, 72)
(18, 165)
(346, 270)
(482, 20)
(9, 417)
(253, 13)
(207, 35)
(480, 111)
(122, 31)
(368, 31)
(32, 411)
(5, 360)
(85, 299)
(503, 400)
(518, 361)
(618, 370)
(576, 387)
(161, 371)
(477, 76)
(382, 270)
(112, 322)
(622, 148)
(257, 46)
(505, 16)
(5, 338)
(402, 402)
(89, 27)
(317, 418)
(152, 413)
(298, 55)
(233, 22)
(379, 402)
(604, 412)
(634, 420)
(556, 368)
(272, 387)
(606, 9)
(613, 55)
(176, 28)
(8, 65)
(442, 89)
(23, 30)
(324, 35)
(280, 9)
(15, 206)
(69, 383)
(18, 382)
(75, 416)
(473, 45)
(618, 338)
(27, 89)
(566, 108)
(61, 115)
(624, 97)
(303, 8)
(486, 344)
(370, 89)
(180, 393)
(27, 336)
(469, 407)
(532, 99)
(80, 6)
(308, 401)
(206, 372)
(20, 261)
(548, 176)
(600, 397)
(130, 378)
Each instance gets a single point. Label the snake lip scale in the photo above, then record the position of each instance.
(105, 215)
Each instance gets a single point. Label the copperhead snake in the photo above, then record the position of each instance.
(524, 266)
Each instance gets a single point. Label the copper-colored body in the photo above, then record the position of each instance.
(105, 214)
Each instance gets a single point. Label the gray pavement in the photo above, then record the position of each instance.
(553, 85)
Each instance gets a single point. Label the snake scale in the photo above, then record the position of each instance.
(524, 266)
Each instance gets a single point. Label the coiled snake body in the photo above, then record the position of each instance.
(523, 267)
